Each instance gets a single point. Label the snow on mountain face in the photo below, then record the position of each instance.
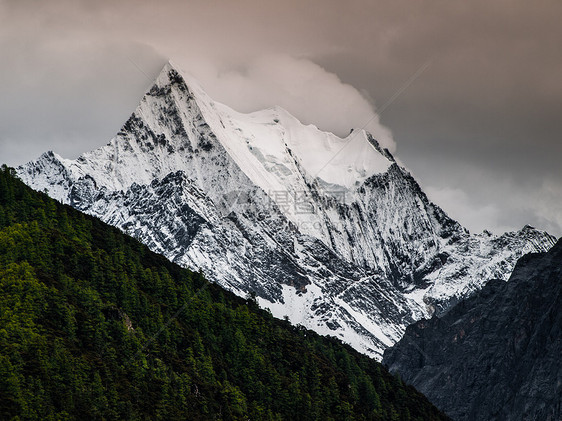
(330, 232)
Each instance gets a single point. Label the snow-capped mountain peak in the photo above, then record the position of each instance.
(328, 231)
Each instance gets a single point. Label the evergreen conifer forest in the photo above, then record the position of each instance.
(94, 326)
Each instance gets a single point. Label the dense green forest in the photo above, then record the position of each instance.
(94, 326)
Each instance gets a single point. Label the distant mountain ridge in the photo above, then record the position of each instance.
(330, 232)
(496, 355)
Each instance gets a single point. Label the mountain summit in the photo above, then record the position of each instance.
(330, 232)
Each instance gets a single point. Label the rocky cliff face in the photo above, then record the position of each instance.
(330, 232)
(496, 355)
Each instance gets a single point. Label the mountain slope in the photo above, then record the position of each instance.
(330, 232)
(495, 356)
(95, 326)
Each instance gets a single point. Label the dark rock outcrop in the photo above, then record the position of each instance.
(496, 355)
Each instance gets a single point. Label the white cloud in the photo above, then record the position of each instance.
(540, 208)
(459, 206)
(302, 87)
(547, 205)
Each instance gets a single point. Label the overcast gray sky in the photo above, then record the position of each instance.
(479, 126)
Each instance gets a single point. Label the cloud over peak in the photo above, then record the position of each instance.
(304, 88)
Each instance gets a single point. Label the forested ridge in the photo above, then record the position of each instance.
(94, 326)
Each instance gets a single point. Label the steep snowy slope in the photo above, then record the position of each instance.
(330, 232)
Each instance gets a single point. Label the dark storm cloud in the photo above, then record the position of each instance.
(480, 127)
